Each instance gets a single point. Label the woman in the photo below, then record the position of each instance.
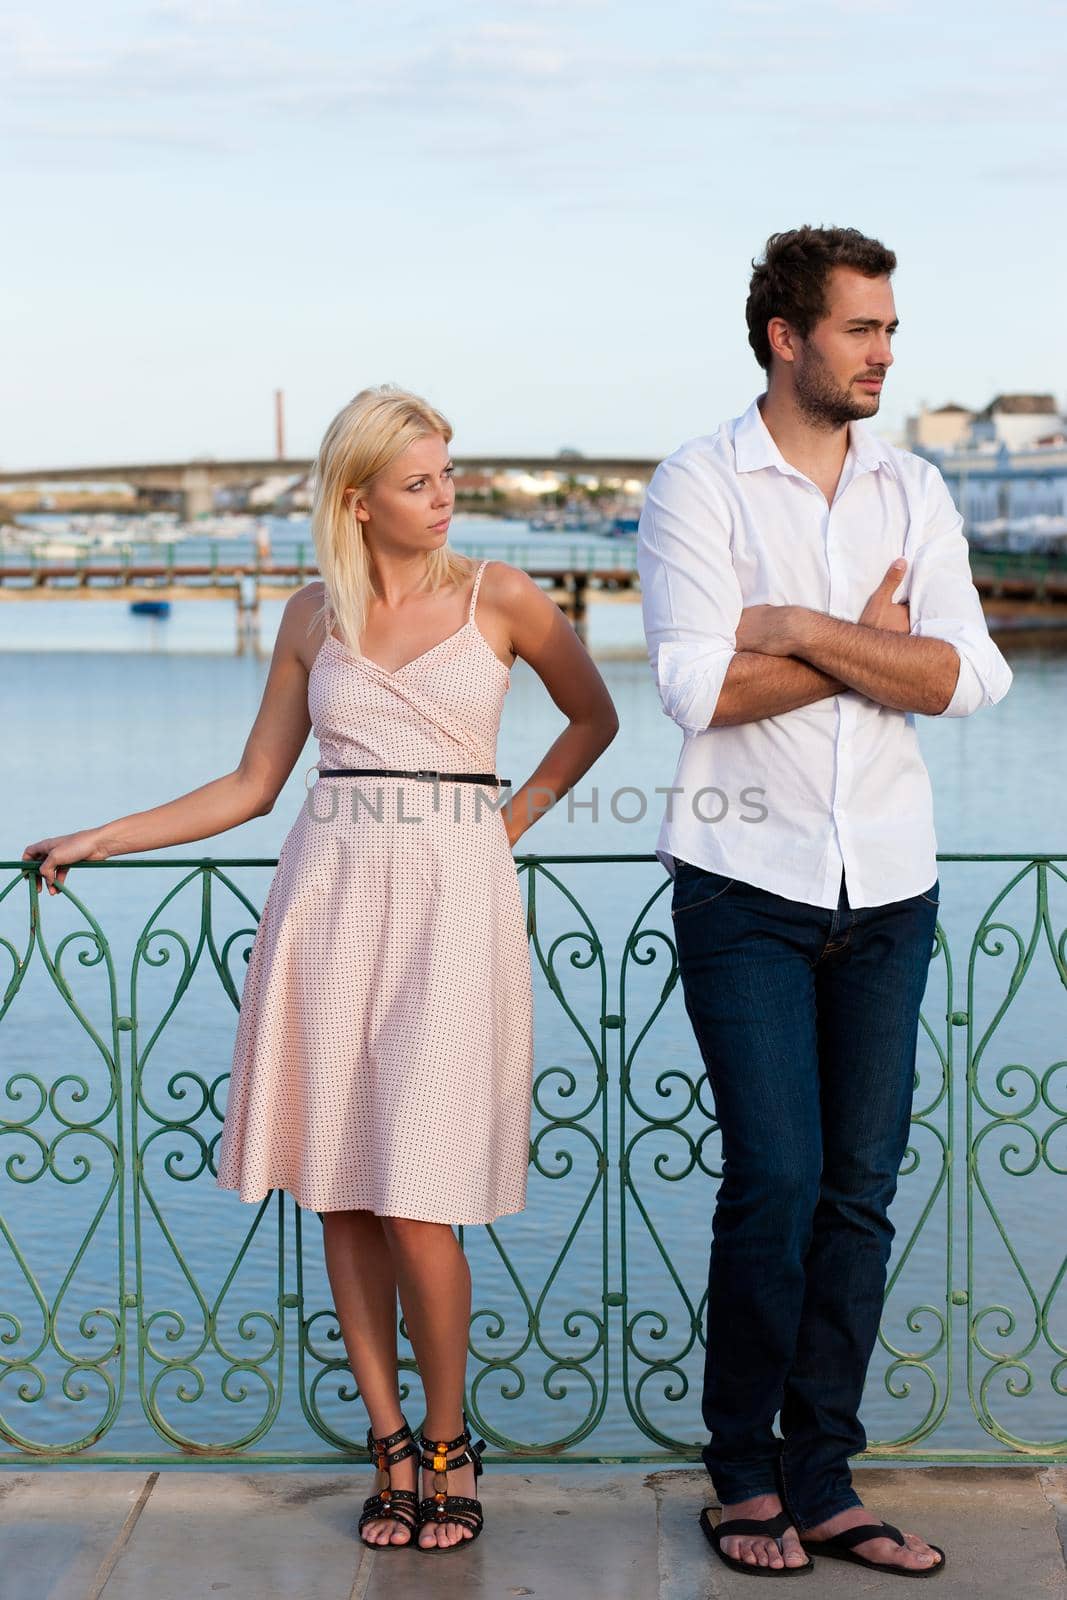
(383, 1058)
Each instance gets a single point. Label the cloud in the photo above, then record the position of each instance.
(1044, 169)
(198, 14)
(533, 95)
(57, 134)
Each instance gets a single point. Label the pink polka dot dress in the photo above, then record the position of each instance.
(384, 1050)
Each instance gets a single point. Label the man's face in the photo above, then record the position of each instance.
(840, 366)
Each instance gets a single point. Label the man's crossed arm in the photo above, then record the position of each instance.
(789, 656)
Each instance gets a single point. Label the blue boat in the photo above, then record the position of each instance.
(150, 608)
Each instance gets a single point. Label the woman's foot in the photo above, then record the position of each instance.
(461, 1481)
(398, 1529)
(755, 1549)
(913, 1553)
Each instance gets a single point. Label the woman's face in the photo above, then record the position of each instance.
(408, 506)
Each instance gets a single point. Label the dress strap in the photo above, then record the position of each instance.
(474, 592)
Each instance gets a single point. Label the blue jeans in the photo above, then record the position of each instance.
(807, 1021)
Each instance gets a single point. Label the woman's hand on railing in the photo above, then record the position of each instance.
(58, 855)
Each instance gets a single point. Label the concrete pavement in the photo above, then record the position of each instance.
(577, 1533)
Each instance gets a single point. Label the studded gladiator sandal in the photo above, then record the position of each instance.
(387, 1503)
(442, 1506)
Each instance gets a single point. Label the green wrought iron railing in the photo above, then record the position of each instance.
(137, 1302)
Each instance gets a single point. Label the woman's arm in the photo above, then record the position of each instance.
(542, 635)
(250, 790)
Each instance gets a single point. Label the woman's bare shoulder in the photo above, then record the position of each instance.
(507, 597)
(304, 622)
(507, 586)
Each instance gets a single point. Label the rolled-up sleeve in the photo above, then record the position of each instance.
(944, 604)
(691, 600)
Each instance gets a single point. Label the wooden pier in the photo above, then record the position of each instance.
(246, 584)
(1011, 584)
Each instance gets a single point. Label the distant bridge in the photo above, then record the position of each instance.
(196, 481)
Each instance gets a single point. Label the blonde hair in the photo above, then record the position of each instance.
(365, 436)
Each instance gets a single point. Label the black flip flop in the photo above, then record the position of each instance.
(839, 1548)
(768, 1528)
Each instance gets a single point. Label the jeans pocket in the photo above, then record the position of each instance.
(695, 887)
(934, 897)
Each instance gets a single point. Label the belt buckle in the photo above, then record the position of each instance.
(307, 786)
(424, 772)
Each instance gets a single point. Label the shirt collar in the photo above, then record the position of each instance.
(754, 448)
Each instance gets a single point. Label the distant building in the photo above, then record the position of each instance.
(473, 485)
(1010, 421)
(946, 428)
(1017, 420)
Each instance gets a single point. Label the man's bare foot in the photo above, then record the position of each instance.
(914, 1553)
(752, 1547)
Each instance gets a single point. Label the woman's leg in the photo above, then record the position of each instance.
(434, 1281)
(363, 1283)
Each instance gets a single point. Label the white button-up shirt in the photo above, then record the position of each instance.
(788, 801)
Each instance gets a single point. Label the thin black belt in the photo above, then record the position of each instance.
(397, 772)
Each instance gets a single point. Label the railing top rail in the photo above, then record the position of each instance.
(533, 859)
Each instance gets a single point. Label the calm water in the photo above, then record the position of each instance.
(106, 714)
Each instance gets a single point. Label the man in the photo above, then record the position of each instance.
(806, 591)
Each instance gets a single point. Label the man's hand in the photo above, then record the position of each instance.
(769, 630)
(881, 611)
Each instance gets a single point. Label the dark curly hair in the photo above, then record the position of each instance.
(791, 279)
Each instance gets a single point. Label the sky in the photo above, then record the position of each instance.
(542, 216)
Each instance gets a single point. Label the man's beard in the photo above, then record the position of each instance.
(822, 399)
